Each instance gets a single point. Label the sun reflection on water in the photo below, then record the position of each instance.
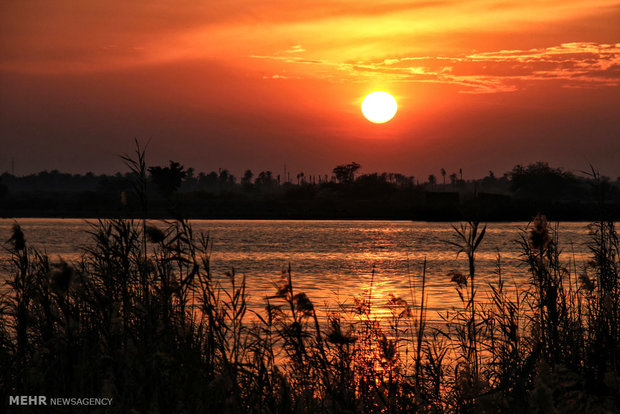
(333, 261)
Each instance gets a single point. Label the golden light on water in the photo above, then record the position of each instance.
(379, 107)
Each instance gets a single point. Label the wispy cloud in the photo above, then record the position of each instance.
(341, 40)
(295, 49)
(573, 65)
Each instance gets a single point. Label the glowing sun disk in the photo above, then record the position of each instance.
(379, 107)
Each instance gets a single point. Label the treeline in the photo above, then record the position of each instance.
(346, 193)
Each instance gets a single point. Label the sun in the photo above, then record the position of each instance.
(379, 107)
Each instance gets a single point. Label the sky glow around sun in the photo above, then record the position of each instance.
(242, 84)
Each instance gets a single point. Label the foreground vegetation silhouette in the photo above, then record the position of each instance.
(141, 319)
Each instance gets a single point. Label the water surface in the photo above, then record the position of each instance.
(333, 261)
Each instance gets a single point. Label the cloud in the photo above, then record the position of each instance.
(573, 65)
(339, 40)
(295, 49)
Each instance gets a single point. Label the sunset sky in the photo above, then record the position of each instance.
(481, 85)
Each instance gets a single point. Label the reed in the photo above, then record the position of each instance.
(142, 319)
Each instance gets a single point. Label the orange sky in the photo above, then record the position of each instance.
(481, 85)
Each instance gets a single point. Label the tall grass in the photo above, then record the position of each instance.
(142, 319)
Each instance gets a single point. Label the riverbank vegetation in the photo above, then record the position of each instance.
(140, 318)
(346, 193)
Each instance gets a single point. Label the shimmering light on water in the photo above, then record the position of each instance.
(332, 261)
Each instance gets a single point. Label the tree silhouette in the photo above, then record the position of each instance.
(443, 174)
(226, 178)
(265, 179)
(432, 179)
(246, 180)
(208, 181)
(453, 178)
(190, 182)
(168, 179)
(346, 173)
(538, 180)
(301, 178)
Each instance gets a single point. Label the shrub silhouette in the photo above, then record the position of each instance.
(168, 179)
